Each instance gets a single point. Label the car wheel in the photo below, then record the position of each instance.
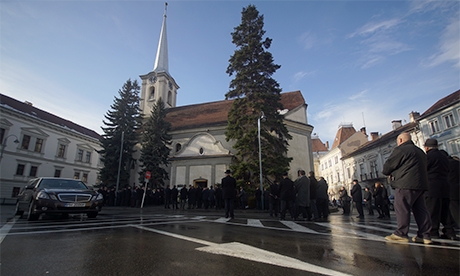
(31, 215)
(92, 215)
(17, 211)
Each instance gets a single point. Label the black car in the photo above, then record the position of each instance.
(48, 195)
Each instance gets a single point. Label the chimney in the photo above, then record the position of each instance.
(396, 124)
(28, 103)
(374, 136)
(363, 130)
(327, 145)
(414, 115)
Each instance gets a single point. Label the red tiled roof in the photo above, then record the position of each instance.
(448, 100)
(343, 134)
(317, 145)
(216, 113)
(32, 111)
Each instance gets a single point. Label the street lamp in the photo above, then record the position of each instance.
(4, 144)
(263, 118)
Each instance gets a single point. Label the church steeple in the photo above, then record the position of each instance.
(161, 60)
(158, 83)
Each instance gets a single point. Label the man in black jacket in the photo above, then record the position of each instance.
(407, 166)
(437, 196)
(357, 195)
(287, 196)
(229, 193)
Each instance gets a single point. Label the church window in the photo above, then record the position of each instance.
(152, 93)
(169, 98)
(178, 147)
(201, 150)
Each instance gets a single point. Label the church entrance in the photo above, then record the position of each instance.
(200, 182)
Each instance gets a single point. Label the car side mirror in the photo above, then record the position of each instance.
(30, 187)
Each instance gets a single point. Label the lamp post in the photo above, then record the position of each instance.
(4, 144)
(263, 118)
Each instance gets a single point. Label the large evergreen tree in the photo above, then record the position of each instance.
(155, 142)
(255, 91)
(122, 123)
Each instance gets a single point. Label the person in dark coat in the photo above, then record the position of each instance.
(258, 195)
(313, 188)
(345, 200)
(406, 166)
(454, 185)
(302, 200)
(191, 195)
(378, 196)
(167, 192)
(219, 197)
(228, 193)
(368, 201)
(174, 194)
(183, 197)
(212, 197)
(322, 199)
(205, 198)
(437, 196)
(357, 195)
(274, 199)
(287, 197)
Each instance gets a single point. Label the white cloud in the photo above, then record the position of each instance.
(375, 27)
(308, 40)
(302, 74)
(449, 46)
(358, 96)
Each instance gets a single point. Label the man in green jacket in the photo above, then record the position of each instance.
(407, 167)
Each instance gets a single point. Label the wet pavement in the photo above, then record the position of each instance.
(158, 241)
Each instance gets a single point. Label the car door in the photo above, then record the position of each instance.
(26, 194)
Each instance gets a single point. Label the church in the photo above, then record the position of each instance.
(200, 153)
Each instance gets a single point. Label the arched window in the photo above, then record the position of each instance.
(178, 147)
(169, 98)
(152, 93)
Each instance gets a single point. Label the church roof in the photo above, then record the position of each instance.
(161, 60)
(216, 113)
(317, 145)
(29, 110)
(344, 132)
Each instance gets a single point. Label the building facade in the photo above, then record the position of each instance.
(36, 143)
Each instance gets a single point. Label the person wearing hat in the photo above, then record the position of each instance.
(407, 167)
(437, 196)
(229, 193)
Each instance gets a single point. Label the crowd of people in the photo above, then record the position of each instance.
(426, 183)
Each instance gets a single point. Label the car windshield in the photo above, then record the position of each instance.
(62, 184)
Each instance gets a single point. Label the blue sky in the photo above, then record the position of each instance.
(365, 62)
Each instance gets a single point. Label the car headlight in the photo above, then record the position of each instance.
(99, 197)
(42, 195)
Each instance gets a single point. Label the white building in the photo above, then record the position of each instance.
(36, 143)
(337, 173)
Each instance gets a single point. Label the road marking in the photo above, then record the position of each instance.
(6, 228)
(222, 219)
(297, 227)
(255, 223)
(352, 231)
(243, 251)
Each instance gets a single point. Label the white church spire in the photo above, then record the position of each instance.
(161, 60)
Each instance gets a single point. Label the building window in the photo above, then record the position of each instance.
(152, 94)
(336, 159)
(169, 98)
(348, 173)
(80, 155)
(2, 134)
(61, 151)
(76, 175)
(15, 192)
(338, 177)
(434, 126)
(88, 157)
(38, 145)
(178, 147)
(25, 142)
(85, 178)
(57, 172)
(454, 146)
(33, 171)
(329, 162)
(449, 120)
(20, 169)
